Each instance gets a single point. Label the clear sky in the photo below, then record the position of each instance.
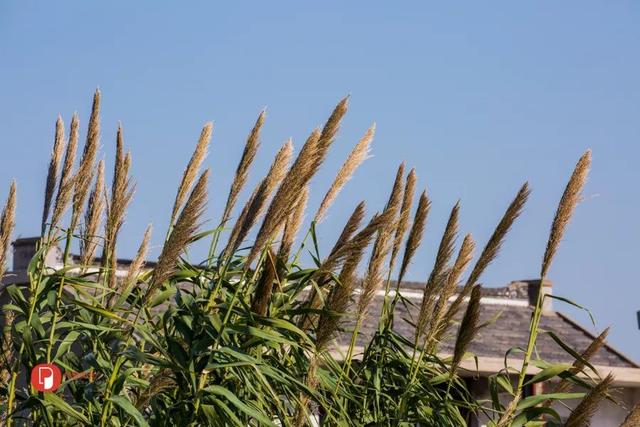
(477, 96)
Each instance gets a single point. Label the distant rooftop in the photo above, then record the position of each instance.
(512, 305)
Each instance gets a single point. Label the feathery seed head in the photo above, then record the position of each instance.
(415, 234)
(138, 262)
(355, 159)
(292, 225)
(468, 327)
(67, 178)
(568, 203)
(254, 206)
(7, 223)
(264, 287)
(403, 220)
(303, 169)
(191, 171)
(242, 172)
(182, 233)
(350, 227)
(582, 414)
(93, 218)
(85, 170)
(492, 248)
(52, 173)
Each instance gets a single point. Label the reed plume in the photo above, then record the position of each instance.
(403, 220)
(361, 240)
(121, 193)
(438, 274)
(468, 328)
(355, 159)
(292, 226)
(330, 130)
(358, 243)
(313, 300)
(254, 207)
(311, 157)
(338, 300)
(182, 233)
(7, 223)
(633, 417)
(351, 226)
(7, 353)
(86, 167)
(568, 202)
(415, 235)
(138, 261)
(492, 248)
(375, 275)
(93, 218)
(264, 287)
(242, 172)
(191, 172)
(304, 167)
(582, 414)
(52, 173)
(437, 327)
(563, 385)
(67, 179)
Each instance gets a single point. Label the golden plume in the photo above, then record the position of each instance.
(242, 172)
(52, 173)
(355, 159)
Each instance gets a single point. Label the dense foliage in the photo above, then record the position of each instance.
(251, 335)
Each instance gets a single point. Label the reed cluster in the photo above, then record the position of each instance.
(266, 329)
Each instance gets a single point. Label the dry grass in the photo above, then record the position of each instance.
(52, 173)
(415, 234)
(355, 159)
(375, 271)
(93, 218)
(403, 220)
(633, 417)
(7, 223)
(254, 207)
(293, 224)
(242, 172)
(121, 194)
(264, 287)
(492, 248)
(182, 233)
(438, 275)
(138, 261)
(304, 167)
(86, 167)
(582, 414)
(191, 172)
(437, 326)
(67, 179)
(468, 327)
(563, 385)
(570, 198)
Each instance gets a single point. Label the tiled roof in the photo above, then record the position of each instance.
(510, 305)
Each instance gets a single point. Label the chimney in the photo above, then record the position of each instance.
(24, 249)
(533, 288)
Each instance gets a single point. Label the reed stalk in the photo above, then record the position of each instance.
(567, 205)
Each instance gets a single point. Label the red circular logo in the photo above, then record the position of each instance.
(46, 377)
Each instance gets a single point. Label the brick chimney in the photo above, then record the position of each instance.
(24, 249)
(533, 288)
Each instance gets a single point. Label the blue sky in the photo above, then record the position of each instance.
(478, 97)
